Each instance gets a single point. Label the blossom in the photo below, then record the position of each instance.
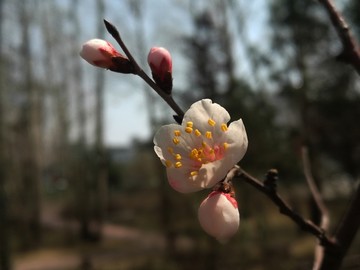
(160, 62)
(199, 152)
(102, 54)
(219, 216)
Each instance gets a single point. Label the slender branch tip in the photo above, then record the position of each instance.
(111, 29)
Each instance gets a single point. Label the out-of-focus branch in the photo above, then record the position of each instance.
(139, 71)
(269, 189)
(344, 235)
(325, 220)
(351, 51)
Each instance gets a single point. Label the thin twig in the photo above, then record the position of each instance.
(284, 208)
(351, 51)
(140, 72)
(325, 220)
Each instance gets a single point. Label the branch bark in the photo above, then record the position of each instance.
(344, 235)
(325, 220)
(351, 51)
(284, 208)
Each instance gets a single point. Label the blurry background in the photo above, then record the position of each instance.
(80, 186)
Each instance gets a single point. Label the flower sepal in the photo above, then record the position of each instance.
(122, 65)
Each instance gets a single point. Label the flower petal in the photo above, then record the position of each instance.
(201, 111)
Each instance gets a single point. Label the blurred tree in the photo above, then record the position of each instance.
(28, 128)
(101, 171)
(351, 10)
(5, 262)
(323, 91)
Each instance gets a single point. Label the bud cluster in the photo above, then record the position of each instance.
(101, 53)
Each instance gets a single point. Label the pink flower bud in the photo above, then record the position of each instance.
(160, 62)
(99, 53)
(219, 216)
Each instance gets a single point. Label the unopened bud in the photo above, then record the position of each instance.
(219, 216)
(102, 54)
(160, 62)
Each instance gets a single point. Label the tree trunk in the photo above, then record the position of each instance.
(4, 222)
(29, 124)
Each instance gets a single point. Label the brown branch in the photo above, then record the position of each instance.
(139, 71)
(284, 208)
(351, 51)
(325, 220)
(344, 235)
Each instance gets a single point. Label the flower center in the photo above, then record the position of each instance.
(205, 149)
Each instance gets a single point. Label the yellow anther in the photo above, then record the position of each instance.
(204, 145)
(177, 157)
(194, 153)
(208, 134)
(211, 151)
(226, 145)
(168, 163)
(177, 133)
(176, 141)
(188, 129)
(193, 173)
(197, 133)
(178, 164)
(170, 150)
(189, 124)
(224, 127)
(211, 122)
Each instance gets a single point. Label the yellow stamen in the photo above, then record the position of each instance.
(197, 133)
(189, 124)
(194, 153)
(224, 127)
(193, 173)
(211, 122)
(176, 141)
(177, 157)
(226, 145)
(177, 133)
(204, 144)
(188, 129)
(208, 134)
(170, 150)
(168, 163)
(178, 164)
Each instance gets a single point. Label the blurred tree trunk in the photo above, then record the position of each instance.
(29, 128)
(4, 221)
(100, 155)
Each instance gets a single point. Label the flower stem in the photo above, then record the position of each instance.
(140, 72)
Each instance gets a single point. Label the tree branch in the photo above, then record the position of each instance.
(344, 235)
(139, 71)
(325, 220)
(351, 51)
(284, 208)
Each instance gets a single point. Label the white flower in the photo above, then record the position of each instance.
(219, 216)
(199, 152)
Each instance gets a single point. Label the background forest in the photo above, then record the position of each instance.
(80, 184)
